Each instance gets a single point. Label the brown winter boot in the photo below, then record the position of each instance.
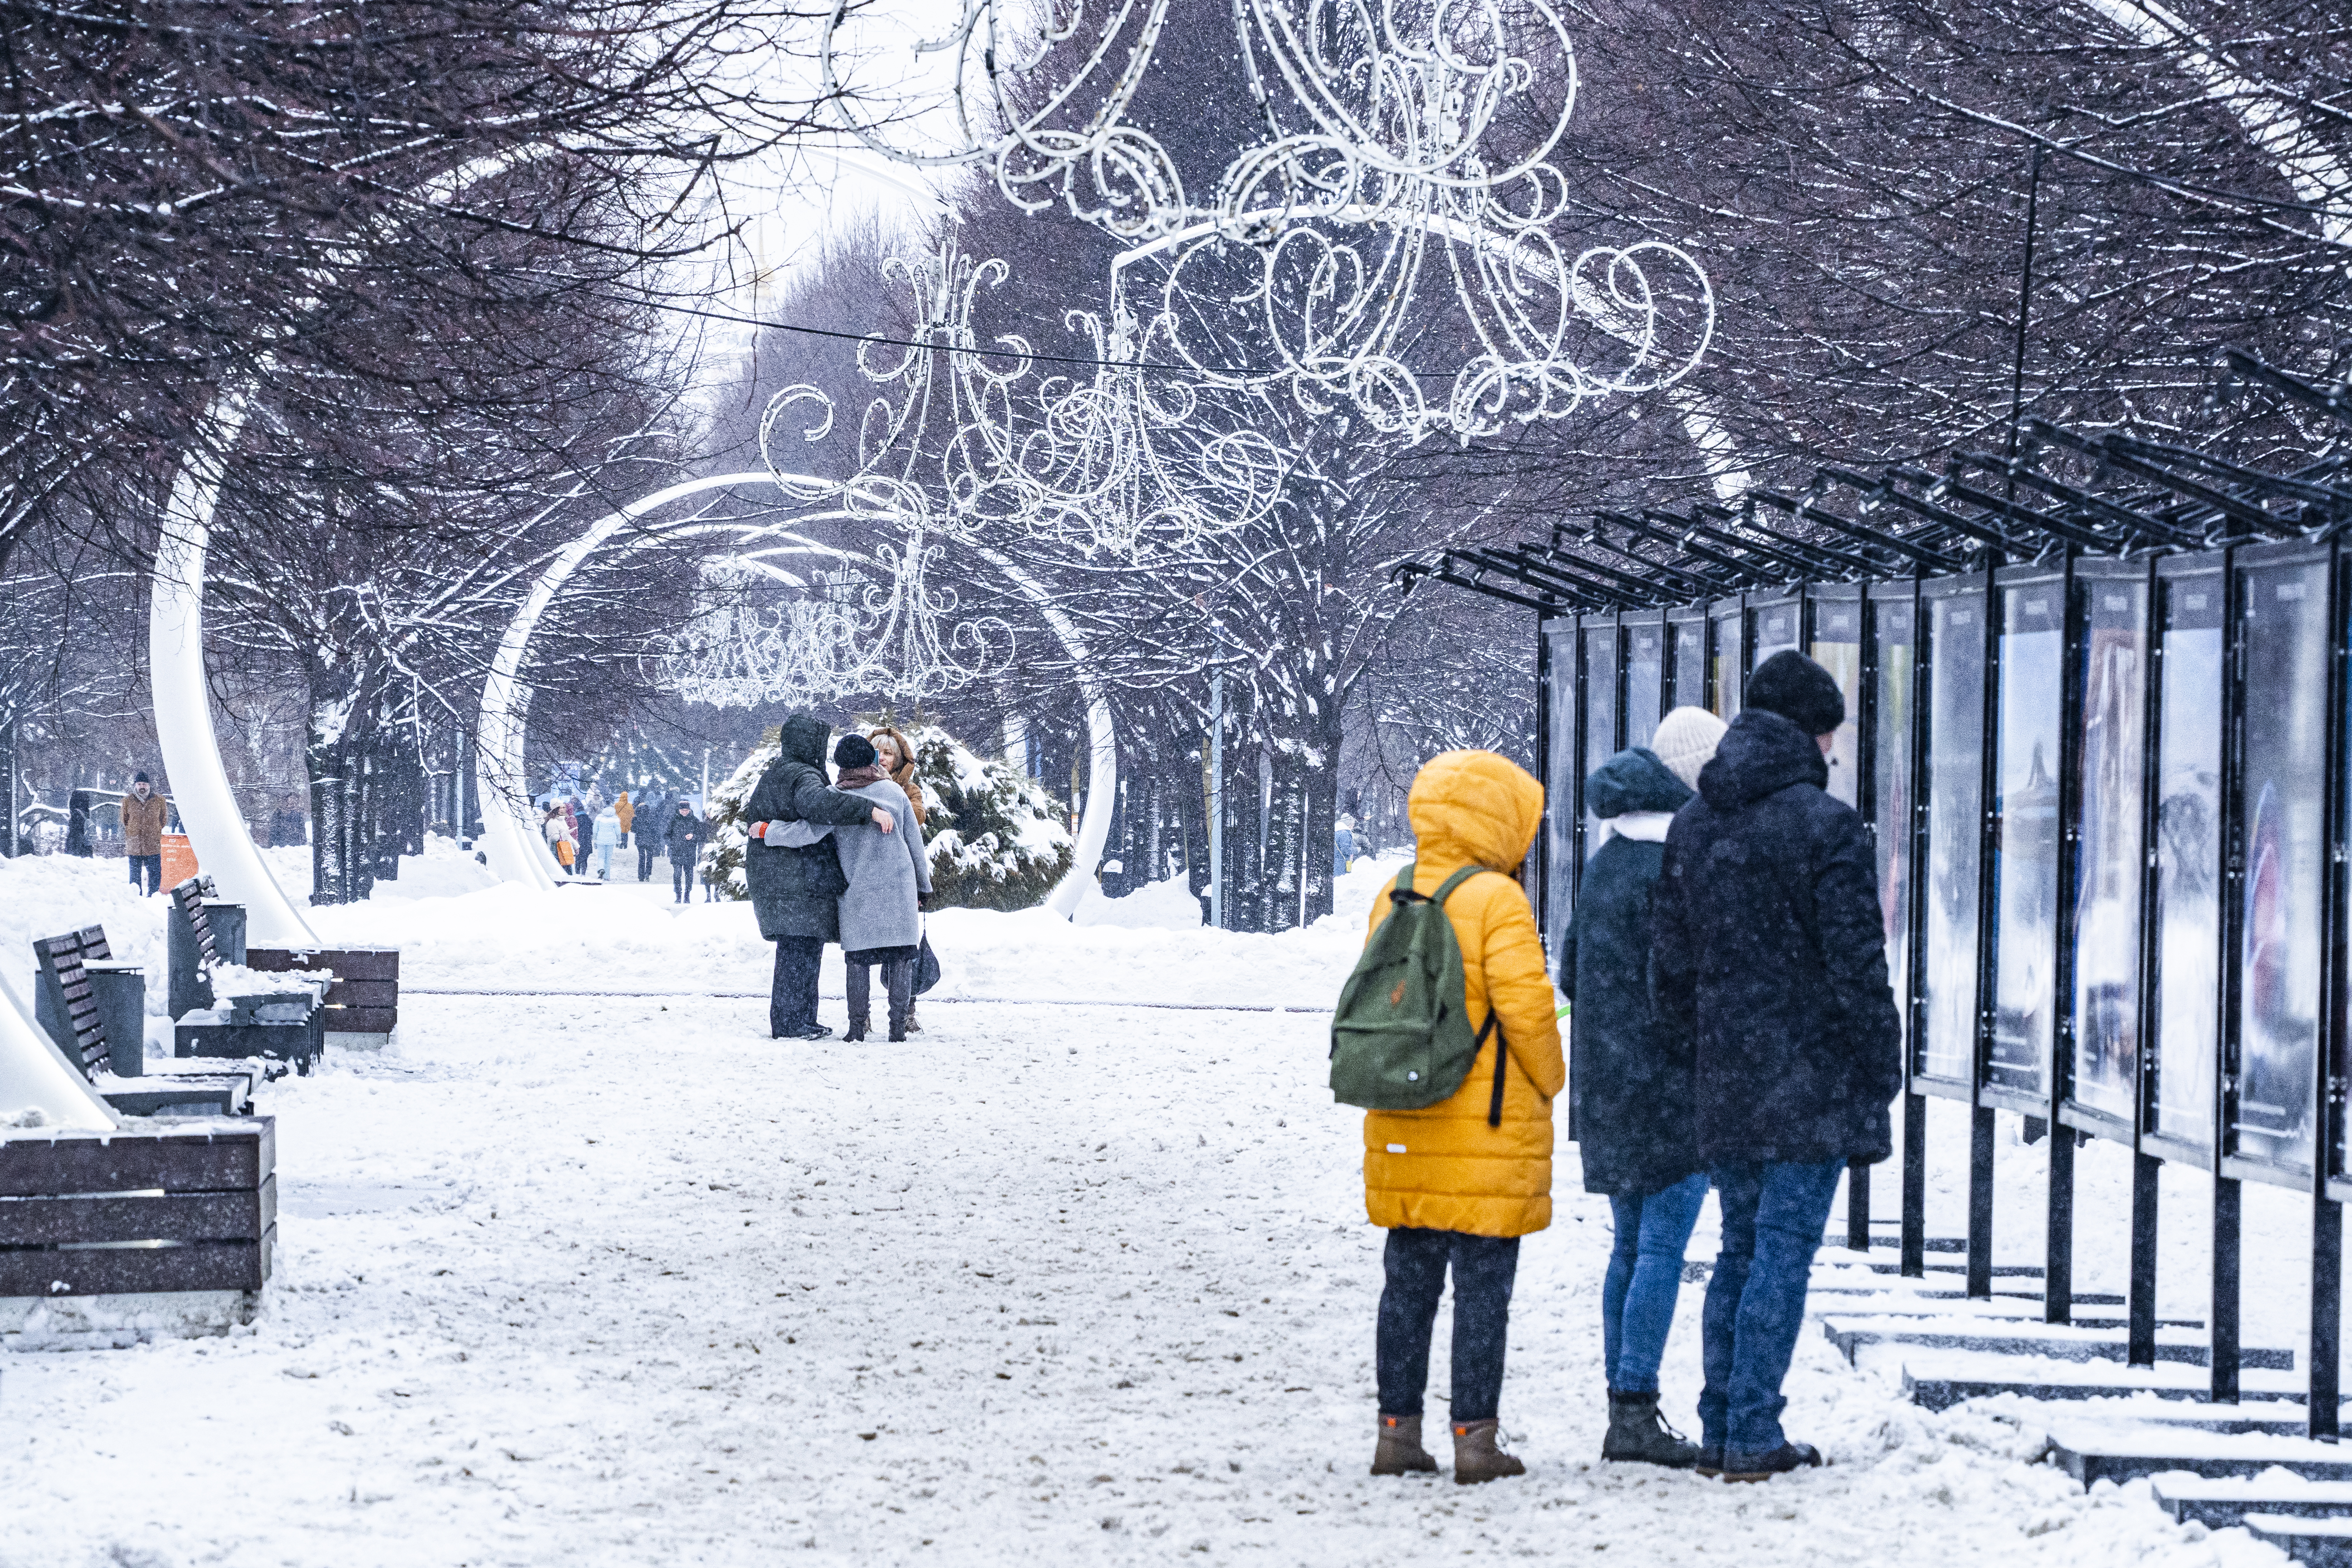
(1399, 1452)
(1476, 1457)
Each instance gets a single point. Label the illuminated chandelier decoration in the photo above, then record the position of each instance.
(1406, 186)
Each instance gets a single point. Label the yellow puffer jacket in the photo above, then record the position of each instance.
(1444, 1168)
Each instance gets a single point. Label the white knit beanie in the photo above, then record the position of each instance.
(1686, 740)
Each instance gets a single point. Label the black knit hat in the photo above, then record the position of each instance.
(854, 752)
(1799, 691)
(140, 778)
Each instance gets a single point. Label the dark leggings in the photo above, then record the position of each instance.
(1483, 1270)
(681, 880)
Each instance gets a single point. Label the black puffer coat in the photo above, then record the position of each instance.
(796, 892)
(1629, 1078)
(1768, 951)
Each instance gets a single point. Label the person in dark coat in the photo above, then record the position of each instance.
(796, 892)
(1630, 1098)
(682, 836)
(654, 813)
(1769, 953)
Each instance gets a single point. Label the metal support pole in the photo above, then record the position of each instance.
(1857, 1206)
(1980, 1127)
(2140, 1348)
(1217, 799)
(2228, 1211)
(1914, 1186)
(2326, 1318)
(2058, 1263)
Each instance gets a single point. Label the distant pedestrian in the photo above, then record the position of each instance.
(1450, 1189)
(1630, 1109)
(796, 889)
(608, 838)
(1343, 844)
(143, 815)
(656, 817)
(683, 837)
(288, 825)
(1769, 954)
(626, 813)
(557, 830)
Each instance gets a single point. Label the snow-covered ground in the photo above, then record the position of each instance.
(567, 1279)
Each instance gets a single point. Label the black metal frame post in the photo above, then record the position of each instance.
(1849, 599)
(1980, 1120)
(2322, 1408)
(1539, 887)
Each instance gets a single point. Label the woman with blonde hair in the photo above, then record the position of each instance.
(896, 755)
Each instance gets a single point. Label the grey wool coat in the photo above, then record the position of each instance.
(795, 892)
(886, 872)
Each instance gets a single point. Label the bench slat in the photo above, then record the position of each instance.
(236, 1159)
(113, 1271)
(187, 1216)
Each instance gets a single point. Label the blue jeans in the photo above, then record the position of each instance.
(1645, 1276)
(1483, 1270)
(1772, 1220)
(146, 873)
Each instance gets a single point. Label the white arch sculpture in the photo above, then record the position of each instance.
(517, 852)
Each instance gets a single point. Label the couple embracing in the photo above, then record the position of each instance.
(838, 862)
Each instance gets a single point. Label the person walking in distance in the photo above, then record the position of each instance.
(625, 809)
(288, 826)
(1769, 953)
(1455, 1184)
(796, 888)
(558, 828)
(657, 816)
(143, 813)
(608, 838)
(1630, 1099)
(682, 838)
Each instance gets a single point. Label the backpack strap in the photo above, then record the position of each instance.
(1502, 1055)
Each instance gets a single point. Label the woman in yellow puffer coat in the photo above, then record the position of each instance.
(1449, 1188)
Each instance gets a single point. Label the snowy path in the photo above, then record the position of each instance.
(620, 1281)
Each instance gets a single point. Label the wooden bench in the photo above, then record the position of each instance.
(362, 1005)
(112, 1238)
(285, 1024)
(96, 1010)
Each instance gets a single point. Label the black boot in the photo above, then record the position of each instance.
(1637, 1432)
(861, 999)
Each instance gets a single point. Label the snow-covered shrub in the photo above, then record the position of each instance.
(995, 839)
(720, 864)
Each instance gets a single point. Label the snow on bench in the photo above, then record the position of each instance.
(2091, 1449)
(2316, 1542)
(2221, 1502)
(2064, 1342)
(1937, 1380)
(1904, 1307)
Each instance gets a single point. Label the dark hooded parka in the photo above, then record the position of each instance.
(1769, 953)
(797, 891)
(1629, 1076)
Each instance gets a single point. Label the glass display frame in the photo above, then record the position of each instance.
(1600, 708)
(1686, 628)
(1775, 621)
(2280, 785)
(1955, 679)
(1834, 641)
(2027, 826)
(2111, 670)
(1643, 679)
(2188, 742)
(1563, 783)
(1727, 657)
(1890, 759)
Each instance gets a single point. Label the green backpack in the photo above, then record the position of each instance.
(1399, 1040)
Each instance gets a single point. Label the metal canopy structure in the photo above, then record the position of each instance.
(2097, 724)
